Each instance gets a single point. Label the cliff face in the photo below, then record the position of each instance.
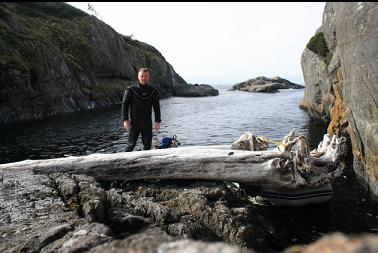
(55, 58)
(342, 80)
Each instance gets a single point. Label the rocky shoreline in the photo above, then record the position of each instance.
(75, 213)
(265, 84)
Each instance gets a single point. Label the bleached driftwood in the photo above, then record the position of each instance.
(331, 148)
(279, 168)
(308, 168)
(249, 141)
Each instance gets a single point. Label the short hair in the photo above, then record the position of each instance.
(143, 70)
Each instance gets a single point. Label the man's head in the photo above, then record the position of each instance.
(143, 76)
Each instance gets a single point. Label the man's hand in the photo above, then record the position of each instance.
(157, 126)
(126, 124)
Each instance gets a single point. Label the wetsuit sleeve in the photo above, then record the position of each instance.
(156, 105)
(125, 104)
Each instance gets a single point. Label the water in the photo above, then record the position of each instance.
(205, 121)
(196, 121)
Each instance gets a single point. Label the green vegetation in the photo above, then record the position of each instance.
(328, 58)
(39, 33)
(60, 27)
(68, 37)
(13, 60)
(41, 9)
(318, 45)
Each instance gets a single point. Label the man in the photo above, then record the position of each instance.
(140, 97)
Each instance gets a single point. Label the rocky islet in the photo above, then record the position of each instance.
(265, 84)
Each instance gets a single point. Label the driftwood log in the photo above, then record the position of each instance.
(281, 167)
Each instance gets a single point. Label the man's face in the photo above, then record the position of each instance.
(143, 77)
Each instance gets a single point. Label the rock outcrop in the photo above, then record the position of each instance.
(265, 84)
(195, 90)
(55, 58)
(340, 71)
(75, 213)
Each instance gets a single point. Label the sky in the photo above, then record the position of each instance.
(219, 43)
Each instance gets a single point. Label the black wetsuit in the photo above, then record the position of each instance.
(140, 99)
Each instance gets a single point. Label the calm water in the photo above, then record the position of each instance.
(203, 121)
(196, 121)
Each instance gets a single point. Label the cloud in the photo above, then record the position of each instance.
(220, 43)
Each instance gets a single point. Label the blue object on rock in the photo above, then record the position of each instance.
(165, 142)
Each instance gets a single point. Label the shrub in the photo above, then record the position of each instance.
(318, 45)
